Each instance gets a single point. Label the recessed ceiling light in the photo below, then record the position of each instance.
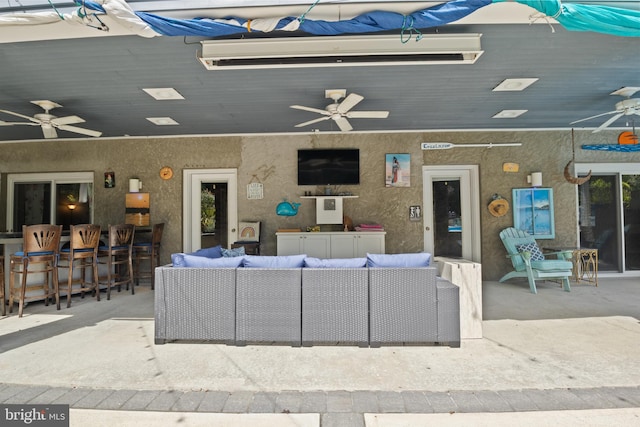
(162, 121)
(514, 84)
(163, 93)
(509, 114)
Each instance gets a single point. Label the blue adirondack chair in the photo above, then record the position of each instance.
(529, 261)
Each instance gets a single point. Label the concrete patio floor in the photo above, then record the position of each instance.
(571, 353)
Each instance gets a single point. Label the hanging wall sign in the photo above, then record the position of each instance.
(255, 191)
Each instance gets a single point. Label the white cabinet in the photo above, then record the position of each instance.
(350, 245)
(331, 244)
(312, 244)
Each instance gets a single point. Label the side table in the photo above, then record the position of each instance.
(585, 265)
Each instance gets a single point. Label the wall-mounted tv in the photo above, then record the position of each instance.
(339, 166)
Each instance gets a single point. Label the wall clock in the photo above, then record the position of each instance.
(166, 172)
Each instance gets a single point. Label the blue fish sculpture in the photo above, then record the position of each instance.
(286, 208)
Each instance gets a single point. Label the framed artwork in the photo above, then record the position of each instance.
(249, 231)
(533, 211)
(109, 179)
(398, 170)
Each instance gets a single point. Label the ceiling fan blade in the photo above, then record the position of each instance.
(82, 131)
(3, 123)
(367, 114)
(608, 122)
(32, 119)
(343, 124)
(49, 132)
(313, 110)
(349, 102)
(593, 117)
(68, 120)
(310, 122)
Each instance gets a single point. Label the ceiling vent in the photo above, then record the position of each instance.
(330, 51)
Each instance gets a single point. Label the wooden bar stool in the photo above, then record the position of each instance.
(117, 256)
(83, 248)
(143, 251)
(39, 255)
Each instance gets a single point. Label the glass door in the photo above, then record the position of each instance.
(609, 216)
(209, 208)
(447, 214)
(213, 214)
(451, 209)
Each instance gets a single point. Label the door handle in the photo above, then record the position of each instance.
(427, 228)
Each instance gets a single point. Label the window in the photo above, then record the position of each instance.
(49, 198)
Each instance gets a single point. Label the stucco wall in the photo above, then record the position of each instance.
(272, 159)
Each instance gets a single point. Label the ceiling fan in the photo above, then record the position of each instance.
(339, 112)
(626, 107)
(48, 122)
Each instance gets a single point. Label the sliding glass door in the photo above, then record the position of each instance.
(609, 215)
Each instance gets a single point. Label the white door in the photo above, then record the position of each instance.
(193, 182)
(452, 211)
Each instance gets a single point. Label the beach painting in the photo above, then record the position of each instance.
(398, 170)
(533, 211)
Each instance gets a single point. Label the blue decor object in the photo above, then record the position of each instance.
(203, 262)
(533, 212)
(620, 148)
(286, 208)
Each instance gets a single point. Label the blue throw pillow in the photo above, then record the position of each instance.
(204, 262)
(283, 261)
(335, 262)
(177, 259)
(533, 249)
(399, 260)
(214, 252)
(239, 251)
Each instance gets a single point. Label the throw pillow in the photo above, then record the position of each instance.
(204, 262)
(312, 262)
(533, 249)
(283, 261)
(399, 260)
(239, 251)
(177, 260)
(214, 252)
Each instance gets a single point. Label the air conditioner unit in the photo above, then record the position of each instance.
(329, 51)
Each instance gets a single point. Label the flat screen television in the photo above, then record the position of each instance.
(338, 166)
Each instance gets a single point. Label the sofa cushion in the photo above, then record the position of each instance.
(335, 262)
(399, 260)
(235, 252)
(204, 262)
(213, 252)
(282, 261)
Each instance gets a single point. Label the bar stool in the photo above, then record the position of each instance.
(148, 251)
(83, 247)
(117, 256)
(4, 302)
(39, 254)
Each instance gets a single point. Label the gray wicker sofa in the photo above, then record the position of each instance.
(366, 306)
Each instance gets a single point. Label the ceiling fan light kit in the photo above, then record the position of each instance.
(339, 112)
(49, 123)
(626, 107)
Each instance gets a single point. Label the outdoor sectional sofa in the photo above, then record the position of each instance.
(306, 301)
